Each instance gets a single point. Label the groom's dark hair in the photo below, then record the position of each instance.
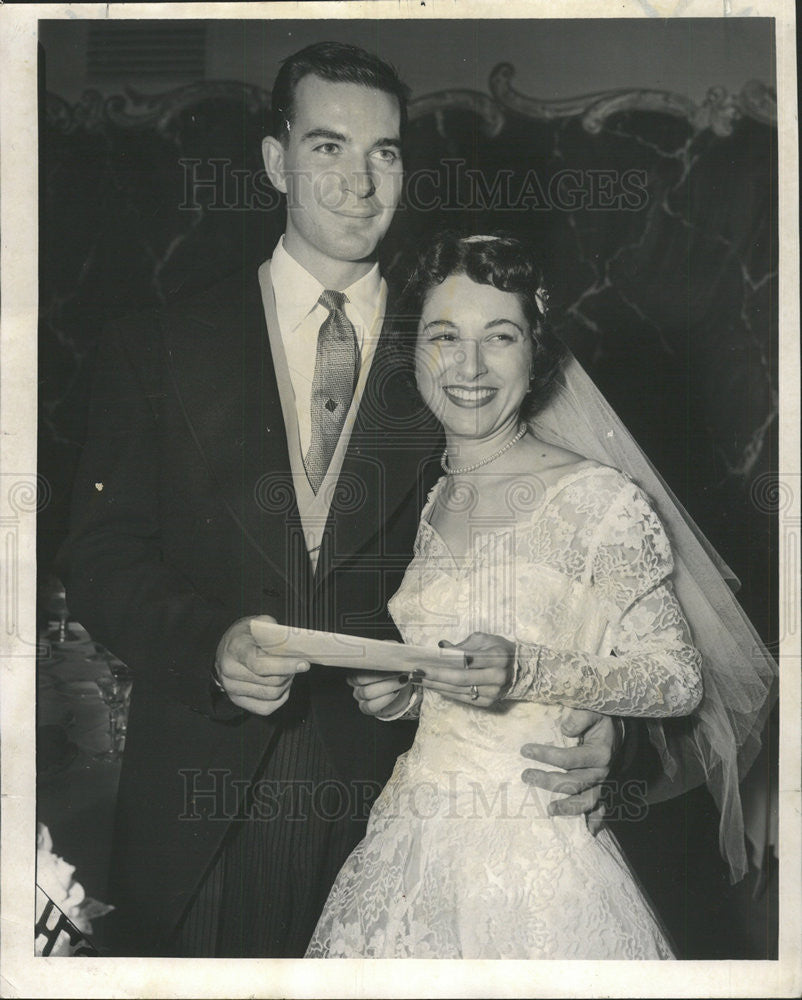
(336, 62)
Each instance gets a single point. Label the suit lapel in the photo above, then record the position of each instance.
(236, 421)
(389, 457)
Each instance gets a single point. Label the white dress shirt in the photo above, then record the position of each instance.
(300, 317)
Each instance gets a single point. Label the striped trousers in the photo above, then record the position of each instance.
(264, 892)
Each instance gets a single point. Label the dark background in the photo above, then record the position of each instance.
(661, 252)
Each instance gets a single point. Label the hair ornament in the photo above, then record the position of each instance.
(541, 294)
(480, 238)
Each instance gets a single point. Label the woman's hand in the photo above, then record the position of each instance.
(380, 694)
(486, 677)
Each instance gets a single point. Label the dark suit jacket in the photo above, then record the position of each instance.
(184, 521)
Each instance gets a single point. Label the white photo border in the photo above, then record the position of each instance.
(23, 975)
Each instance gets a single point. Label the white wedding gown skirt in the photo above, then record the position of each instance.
(460, 859)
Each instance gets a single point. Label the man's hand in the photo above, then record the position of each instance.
(587, 765)
(253, 679)
(381, 694)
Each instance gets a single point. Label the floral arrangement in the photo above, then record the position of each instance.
(55, 878)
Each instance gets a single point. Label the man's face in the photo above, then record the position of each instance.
(341, 170)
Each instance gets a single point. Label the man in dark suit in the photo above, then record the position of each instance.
(254, 452)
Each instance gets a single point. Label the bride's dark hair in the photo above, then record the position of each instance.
(506, 263)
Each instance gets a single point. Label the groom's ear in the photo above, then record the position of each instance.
(273, 156)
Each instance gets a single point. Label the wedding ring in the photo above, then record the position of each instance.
(474, 692)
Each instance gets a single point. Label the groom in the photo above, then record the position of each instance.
(253, 452)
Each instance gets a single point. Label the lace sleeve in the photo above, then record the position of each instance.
(653, 669)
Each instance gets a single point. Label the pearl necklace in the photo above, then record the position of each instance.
(449, 470)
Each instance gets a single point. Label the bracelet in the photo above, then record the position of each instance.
(409, 711)
(216, 679)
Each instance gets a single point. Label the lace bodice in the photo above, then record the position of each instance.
(581, 583)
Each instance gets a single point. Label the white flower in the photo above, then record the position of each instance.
(56, 878)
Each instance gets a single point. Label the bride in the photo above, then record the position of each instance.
(553, 573)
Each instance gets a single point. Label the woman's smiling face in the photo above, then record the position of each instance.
(473, 356)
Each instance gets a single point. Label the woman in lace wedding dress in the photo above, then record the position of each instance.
(558, 572)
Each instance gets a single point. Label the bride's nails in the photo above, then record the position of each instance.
(468, 661)
(441, 643)
(403, 678)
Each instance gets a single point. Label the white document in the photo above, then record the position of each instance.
(352, 651)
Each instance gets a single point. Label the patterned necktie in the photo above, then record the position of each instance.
(336, 371)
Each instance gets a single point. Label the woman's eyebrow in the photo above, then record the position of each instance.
(439, 322)
(503, 320)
